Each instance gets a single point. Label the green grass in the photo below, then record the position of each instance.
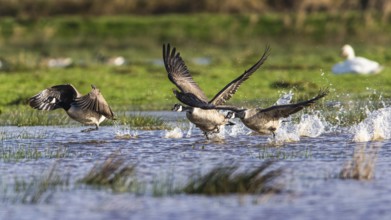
(25, 116)
(300, 60)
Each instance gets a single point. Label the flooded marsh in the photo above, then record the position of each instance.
(313, 166)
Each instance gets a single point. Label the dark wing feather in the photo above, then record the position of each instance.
(179, 74)
(94, 101)
(191, 100)
(229, 90)
(55, 97)
(283, 111)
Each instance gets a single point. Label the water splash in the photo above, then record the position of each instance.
(311, 125)
(188, 134)
(174, 133)
(285, 98)
(237, 129)
(376, 126)
(288, 132)
(124, 132)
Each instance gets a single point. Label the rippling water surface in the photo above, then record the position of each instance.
(311, 151)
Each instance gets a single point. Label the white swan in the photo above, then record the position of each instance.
(353, 64)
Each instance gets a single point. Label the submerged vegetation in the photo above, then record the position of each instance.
(38, 189)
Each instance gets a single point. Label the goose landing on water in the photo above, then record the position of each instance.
(353, 64)
(267, 121)
(90, 109)
(209, 121)
(201, 112)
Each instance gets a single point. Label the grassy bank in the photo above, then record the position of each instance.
(300, 60)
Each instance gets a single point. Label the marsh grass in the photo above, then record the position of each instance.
(24, 134)
(17, 153)
(114, 173)
(228, 179)
(24, 116)
(165, 185)
(362, 164)
(273, 153)
(40, 188)
(142, 122)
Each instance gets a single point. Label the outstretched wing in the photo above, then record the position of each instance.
(283, 111)
(94, 101)
(60, 96)
(229, 90)
(179, 74)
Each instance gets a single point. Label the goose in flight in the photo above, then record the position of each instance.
(353, 64)
(199, 110)
(90, 109)
(267, 120)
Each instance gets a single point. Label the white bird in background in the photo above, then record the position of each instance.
(353, 64)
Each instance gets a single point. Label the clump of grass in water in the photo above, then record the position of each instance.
(142, 122)
(227, 180)
(21, 152)
(39, 189)
(362, 165)
(114, 173)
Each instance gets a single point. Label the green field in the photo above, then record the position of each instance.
(300, 60)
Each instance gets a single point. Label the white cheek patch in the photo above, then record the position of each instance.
(54, 100)
(180, 108)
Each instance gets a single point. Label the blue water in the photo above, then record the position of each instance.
(312, 189)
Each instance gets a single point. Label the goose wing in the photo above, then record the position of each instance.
(94, 101)
(179, 74)
(192, 100)
(283, 111)
(229, 90)
(54, 97)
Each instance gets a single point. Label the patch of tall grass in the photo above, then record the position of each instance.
(142, 122)
(23, 116)
(39, 189)
(114, 173)
(228, 179)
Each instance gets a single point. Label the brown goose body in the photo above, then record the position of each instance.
(268, 120)
(89, 109)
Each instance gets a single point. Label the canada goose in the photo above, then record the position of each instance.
(201, 112)
(267, 121)
(353, 64)
(209, 121)
(90, 109)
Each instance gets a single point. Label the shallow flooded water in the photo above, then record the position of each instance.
(311, 151)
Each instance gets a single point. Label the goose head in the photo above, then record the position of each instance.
(177, 108)
(239, 114)
(347, 52)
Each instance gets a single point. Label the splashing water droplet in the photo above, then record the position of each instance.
(311, 126)
(285, 98)
(376, 126)
(175, 133)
